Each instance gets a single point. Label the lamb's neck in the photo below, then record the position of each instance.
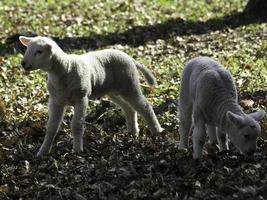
(227, 105)
(61, 63)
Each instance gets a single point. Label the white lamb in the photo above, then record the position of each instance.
(72, 79)
(208, 97)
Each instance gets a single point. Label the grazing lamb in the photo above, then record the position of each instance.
(208, 97)
(72, 79)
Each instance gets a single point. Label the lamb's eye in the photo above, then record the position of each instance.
(38, 52)
(246, 137)
(252, 126)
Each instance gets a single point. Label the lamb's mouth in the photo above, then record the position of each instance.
(30, 68)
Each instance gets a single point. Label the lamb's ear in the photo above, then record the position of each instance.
(235, 119)
(24, 40)
(259, 115)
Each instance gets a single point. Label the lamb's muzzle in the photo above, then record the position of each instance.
(23, 63)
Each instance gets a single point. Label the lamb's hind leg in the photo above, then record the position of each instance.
(185, 117)
(130, 114)
(199, 135)
(138, 102)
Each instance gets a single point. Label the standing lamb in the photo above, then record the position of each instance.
(208, 97)
(72, 79)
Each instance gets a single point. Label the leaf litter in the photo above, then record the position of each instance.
(114, 164)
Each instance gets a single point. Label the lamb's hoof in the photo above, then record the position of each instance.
(134, 134)
(41, 153)
(197, 161)
(197, 157)
(161, 134)
(161, 130)
(77, 151)
(249, 158)
(212, 148)
(183, 149)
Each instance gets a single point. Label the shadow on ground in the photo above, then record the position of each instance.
(139, 35)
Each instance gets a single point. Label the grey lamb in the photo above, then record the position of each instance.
(72, 79)
(208, 102)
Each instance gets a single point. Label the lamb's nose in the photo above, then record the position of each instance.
(23, 63)
(251, 152)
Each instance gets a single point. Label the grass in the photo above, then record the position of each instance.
(161, 34)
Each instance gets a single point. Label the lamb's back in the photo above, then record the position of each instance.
(193, 73)
(109, 57)
(212, 88)
(111, 70)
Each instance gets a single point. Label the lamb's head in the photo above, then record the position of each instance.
(38, 54)
(243, 130)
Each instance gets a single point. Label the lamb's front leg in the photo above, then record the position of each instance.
(212, 134)
(199, 136)
(56, 112)
(222, 140)
(77, 124)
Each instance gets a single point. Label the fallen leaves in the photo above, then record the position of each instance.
(247, 103)
(2, 110)
(4, 189)
(122, 167)
(162, 35)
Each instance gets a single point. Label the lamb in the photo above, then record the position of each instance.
(208, 102)
(73, 79)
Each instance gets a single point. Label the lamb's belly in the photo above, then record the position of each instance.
(210, 118)
(94, 96)
(99, 92)
(64, 98)
(206, 111)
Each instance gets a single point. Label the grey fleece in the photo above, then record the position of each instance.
(208, 103)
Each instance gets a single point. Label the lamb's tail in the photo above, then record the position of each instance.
(150, 78)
